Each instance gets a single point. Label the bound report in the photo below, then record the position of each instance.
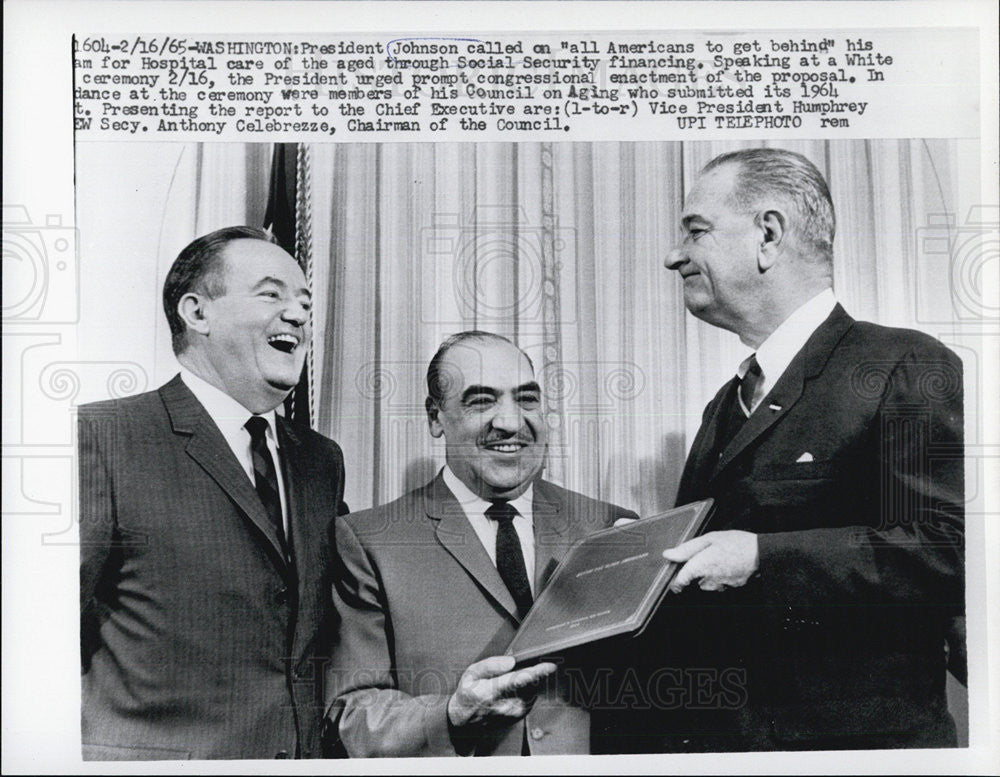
(608, 584)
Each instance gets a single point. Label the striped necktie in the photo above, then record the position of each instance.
(265, 476)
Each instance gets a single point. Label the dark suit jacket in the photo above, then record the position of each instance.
(421, 601)
(198, 639)
(839, 639)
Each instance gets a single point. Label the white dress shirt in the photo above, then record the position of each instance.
(777, 351)
(486, 528)
(230, 416)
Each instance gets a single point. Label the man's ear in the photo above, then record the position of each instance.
(191, 309)
(433, 419)
(773, 225)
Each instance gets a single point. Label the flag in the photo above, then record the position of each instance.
(280, 220)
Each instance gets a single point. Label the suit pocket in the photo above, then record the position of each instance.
(133, 753)
(792, 497)
(801, 470)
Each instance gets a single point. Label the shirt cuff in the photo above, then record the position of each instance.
(442, 737)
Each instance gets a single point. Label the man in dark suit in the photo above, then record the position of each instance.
(835, 557)
(432, 587)
(204, 520)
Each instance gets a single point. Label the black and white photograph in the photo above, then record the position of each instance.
(640, 420)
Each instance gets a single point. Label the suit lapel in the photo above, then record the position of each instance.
(551, 530)
(457, 536)
(210, 450)
(297, 474)
(788, 390)
(784, 394)
(307, 568)
(702, 448)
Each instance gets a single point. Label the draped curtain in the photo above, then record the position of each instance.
(560, 247)
(137, 206)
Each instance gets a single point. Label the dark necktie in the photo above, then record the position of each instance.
(748, 385)
(265, 476)
(731, 415)
(510, 559)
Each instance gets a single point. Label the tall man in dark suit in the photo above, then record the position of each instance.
(835, 557)
(204, 519)
(432, 587)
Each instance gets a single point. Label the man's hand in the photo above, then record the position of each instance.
(489, 692)
(717, 560)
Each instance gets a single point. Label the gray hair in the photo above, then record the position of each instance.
(766, 171)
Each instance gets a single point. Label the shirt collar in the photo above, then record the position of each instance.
(472, 503)
(228, 414)
(777, 351)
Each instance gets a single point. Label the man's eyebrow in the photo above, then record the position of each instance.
(686, 220)
(476, 389)
(271, 280)
(523, 388)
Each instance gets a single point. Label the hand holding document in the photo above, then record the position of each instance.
(717, 560)
(608, 584)
(492, 691)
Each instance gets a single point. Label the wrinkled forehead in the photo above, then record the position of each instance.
(712, 192)
(495, 365)
(248, 261)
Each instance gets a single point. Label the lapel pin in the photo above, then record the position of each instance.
(774, 407)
